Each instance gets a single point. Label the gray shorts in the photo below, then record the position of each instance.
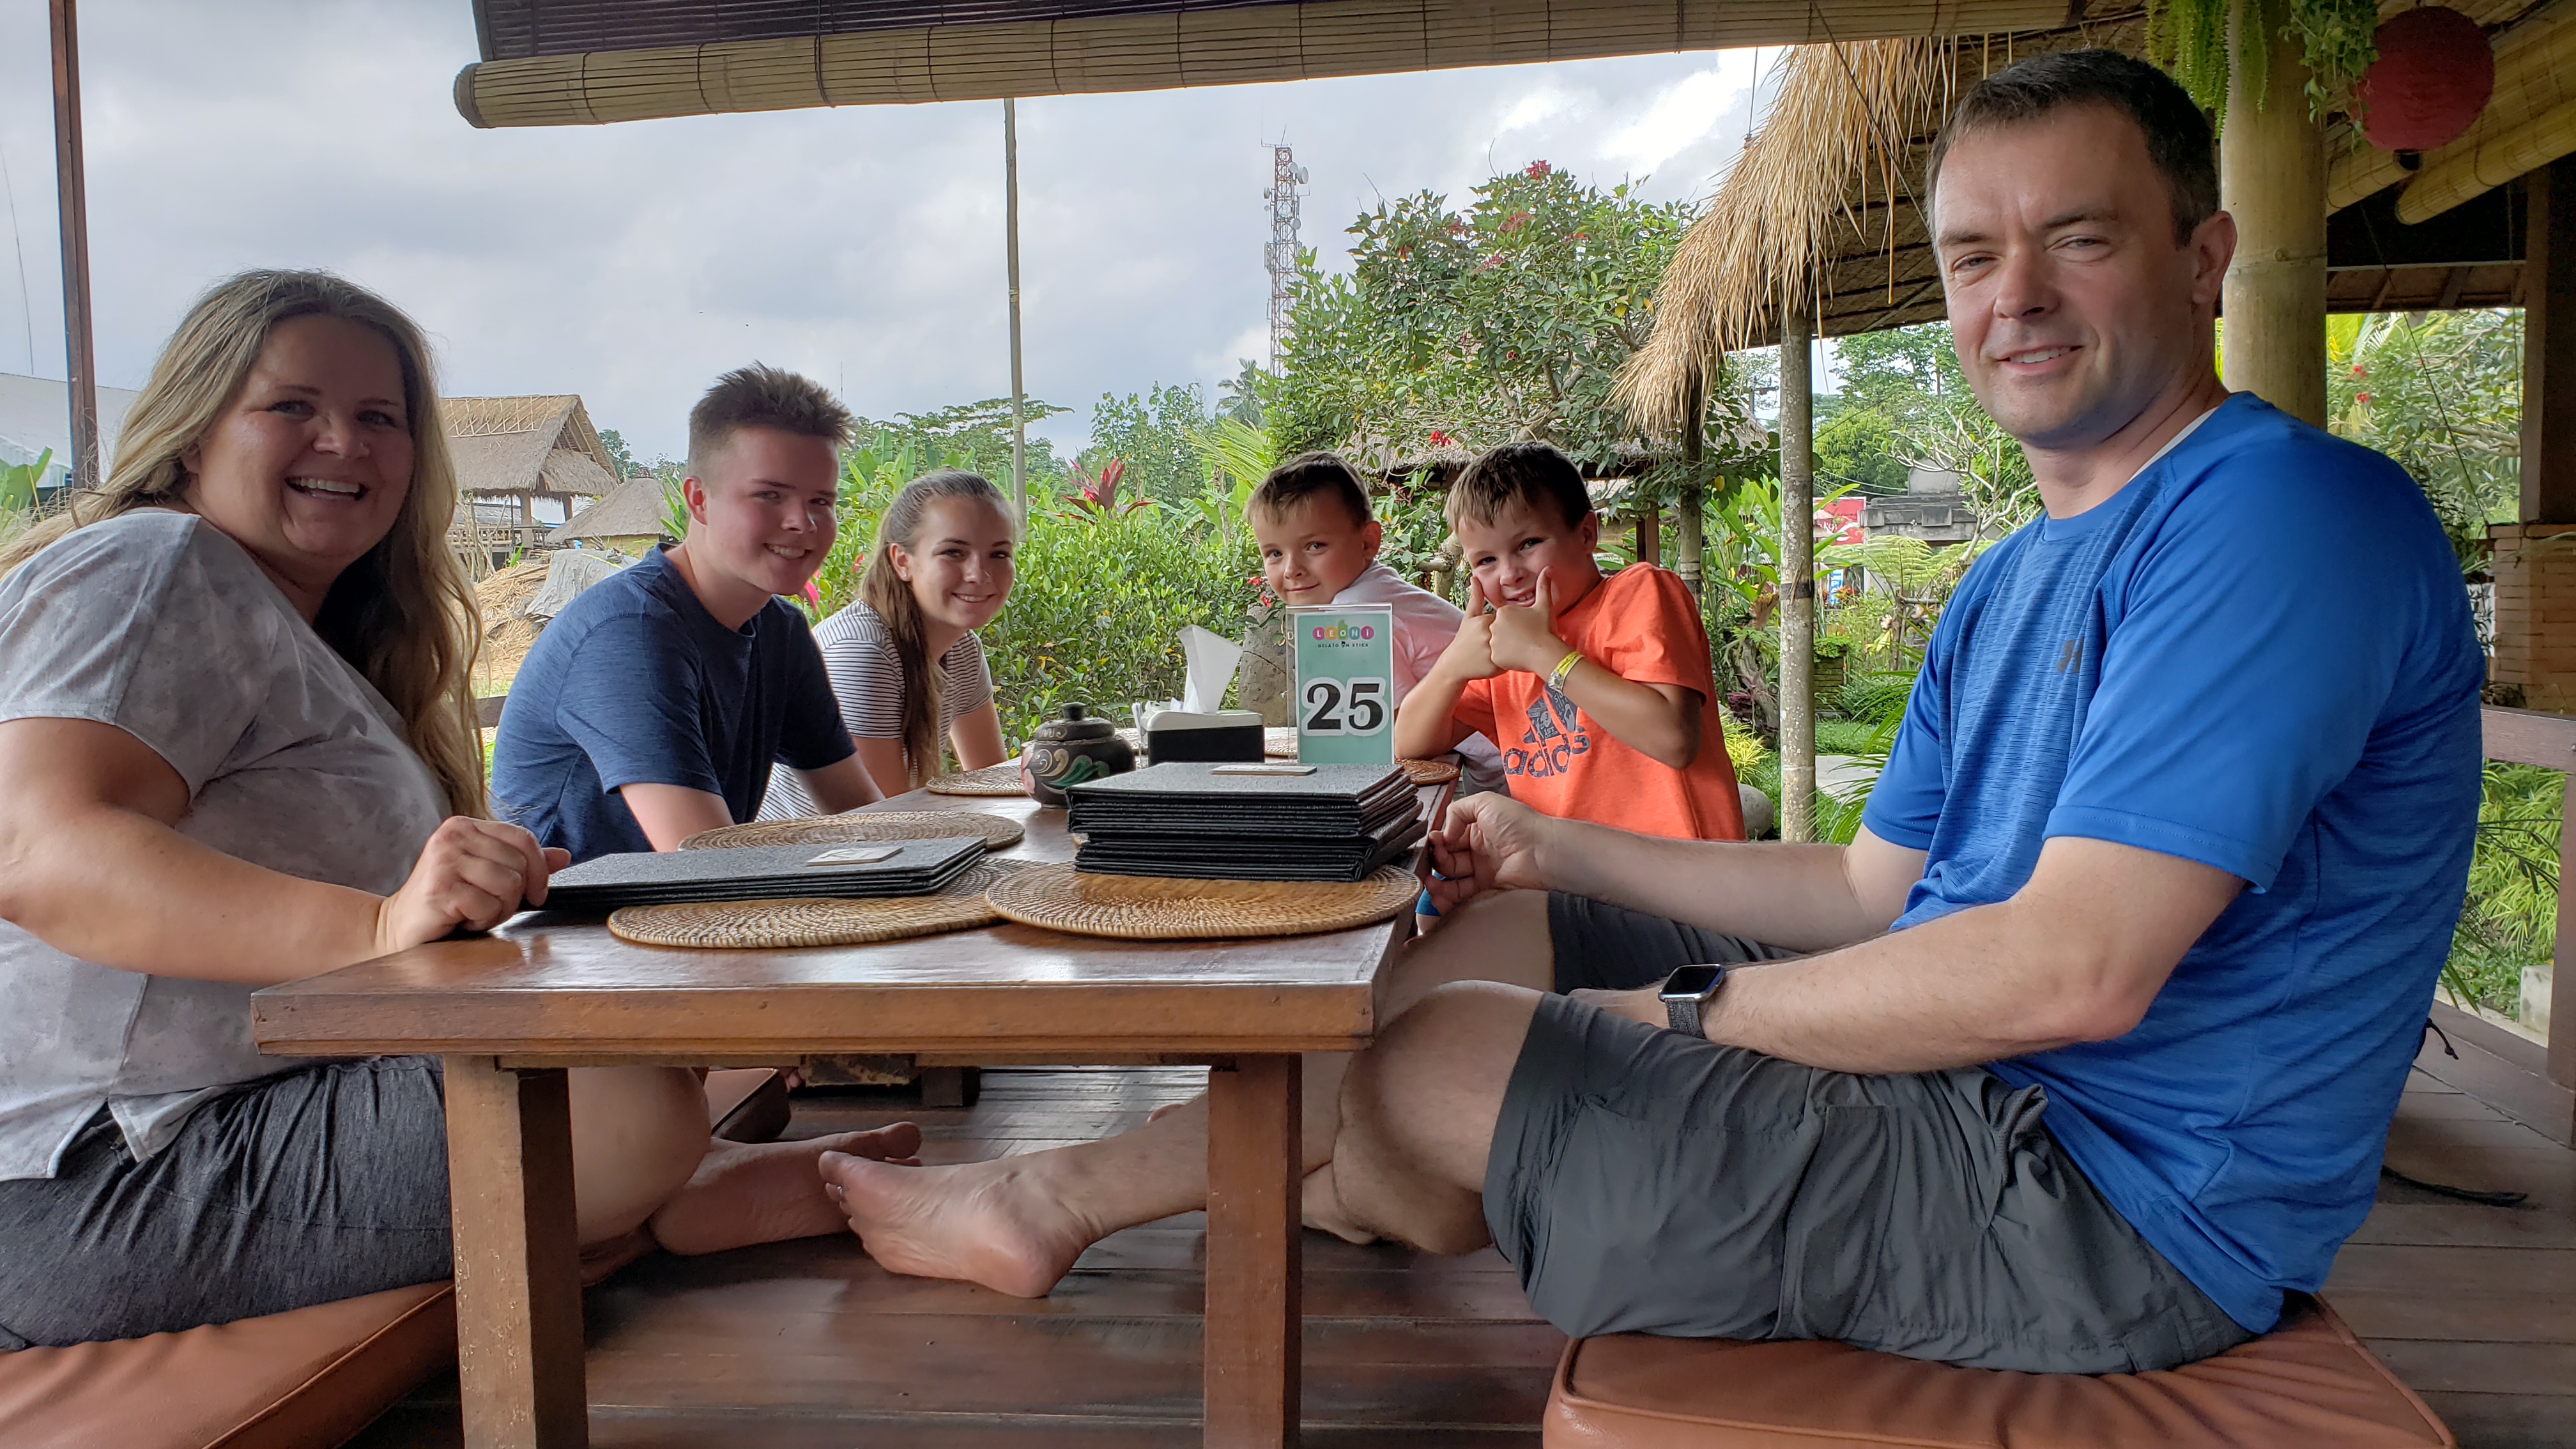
(325, 1182)
(1644, 1181)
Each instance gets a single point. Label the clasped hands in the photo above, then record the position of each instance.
(1496, 636)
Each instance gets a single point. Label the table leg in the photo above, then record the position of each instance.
(518, 1290)
(1255, 1169)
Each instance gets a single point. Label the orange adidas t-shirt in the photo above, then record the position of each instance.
(1641, 624)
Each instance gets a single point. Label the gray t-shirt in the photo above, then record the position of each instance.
(161, 625)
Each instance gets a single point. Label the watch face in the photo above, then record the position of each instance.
(1691, 982)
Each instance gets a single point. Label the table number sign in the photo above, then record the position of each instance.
(1345, 683)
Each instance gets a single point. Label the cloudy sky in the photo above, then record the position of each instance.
(631, 263)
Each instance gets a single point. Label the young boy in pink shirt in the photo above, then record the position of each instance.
(1319, 543)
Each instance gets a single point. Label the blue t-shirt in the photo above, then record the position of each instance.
(2258, 656)
(635, 683)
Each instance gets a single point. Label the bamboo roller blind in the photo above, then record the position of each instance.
(1132, 51)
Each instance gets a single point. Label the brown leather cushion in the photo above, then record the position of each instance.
(2307, 1383)
(303, 1380)
(308, 1379)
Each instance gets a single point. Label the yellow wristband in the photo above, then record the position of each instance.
(1564, 667)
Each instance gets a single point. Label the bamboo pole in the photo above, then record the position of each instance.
(2465, 175)
(1797, 578)
(1011, 224)
(2272, 178)
(72, 188)
(1688, 547)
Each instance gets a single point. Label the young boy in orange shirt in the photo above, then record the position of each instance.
(1310, 519)
(1598, 689)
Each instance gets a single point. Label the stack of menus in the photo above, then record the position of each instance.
(1246, 822)
(762, 872)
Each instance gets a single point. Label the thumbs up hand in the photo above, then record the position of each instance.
(1525, 638)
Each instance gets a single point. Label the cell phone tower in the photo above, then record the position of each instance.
(1280, 257)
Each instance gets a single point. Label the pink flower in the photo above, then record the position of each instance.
(813, 595)
(1537, 169)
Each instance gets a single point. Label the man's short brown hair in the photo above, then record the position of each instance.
(1310, 475)
(1530, 474)
(761, 396)
(2176, 130)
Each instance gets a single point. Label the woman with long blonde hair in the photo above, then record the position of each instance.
(235, 750)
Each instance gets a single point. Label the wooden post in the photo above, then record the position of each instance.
(2272, 178)
(1011, 225)
(1688, 547)
(2549, 347)
(1254, 1246)
(72, 198)
(518, 1290)
(1649, 525)
(1798, 577)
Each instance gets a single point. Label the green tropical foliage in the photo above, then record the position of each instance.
(974, 436)
(1509, 318)
(2441, 393)
(18, 483)
(1155, 432)
(2511, 917)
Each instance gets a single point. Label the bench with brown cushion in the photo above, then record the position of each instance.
(2306, 1385)
(309, 1379)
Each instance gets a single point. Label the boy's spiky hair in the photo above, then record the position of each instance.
(1533, 474)
(761, 396)
(1309, 475)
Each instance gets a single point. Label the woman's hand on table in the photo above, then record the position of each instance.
(1487, 842)
(472, 873)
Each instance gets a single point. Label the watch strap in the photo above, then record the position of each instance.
(1682, 1015)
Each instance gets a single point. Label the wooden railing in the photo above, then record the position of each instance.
(2536, 737)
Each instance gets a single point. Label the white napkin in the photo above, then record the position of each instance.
(1210, 661)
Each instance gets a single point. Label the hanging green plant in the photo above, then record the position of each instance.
(2189, 38)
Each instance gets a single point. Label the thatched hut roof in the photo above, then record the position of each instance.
(634, 510)
(1822, 204)
(540, 444)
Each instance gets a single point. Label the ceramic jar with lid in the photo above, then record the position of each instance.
(1069, 749)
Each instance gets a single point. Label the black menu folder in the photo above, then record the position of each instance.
(1193, 797)
(1209, 822)
(652, 878)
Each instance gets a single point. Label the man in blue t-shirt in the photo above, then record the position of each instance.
(2085, 1050)
(655, 705)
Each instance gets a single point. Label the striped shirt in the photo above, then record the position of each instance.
(867, 674)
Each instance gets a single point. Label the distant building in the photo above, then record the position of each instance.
(36, 415)
(1930, 509)
(629, 520)
(522, 465)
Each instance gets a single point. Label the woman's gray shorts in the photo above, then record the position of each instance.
(325, 1182)
(1644, 1181)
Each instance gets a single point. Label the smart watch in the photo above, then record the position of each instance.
(1686, 995)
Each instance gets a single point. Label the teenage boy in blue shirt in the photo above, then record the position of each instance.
(2084, 1051)
(656, 705)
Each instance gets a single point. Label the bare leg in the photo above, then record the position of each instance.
(1418, 1113)
(1018, 1223)
(640, 1152)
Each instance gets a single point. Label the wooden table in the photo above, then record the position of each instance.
(511, 1011)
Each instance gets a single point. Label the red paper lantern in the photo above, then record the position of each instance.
(2434, 74)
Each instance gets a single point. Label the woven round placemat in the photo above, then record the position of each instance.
(1164, 908)
(1279, 742)
(996, 832)
(1001, 779)
(1421, 772)
(784, 924)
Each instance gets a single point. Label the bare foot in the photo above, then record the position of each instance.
(991, 1223)
(1320, 1206)
(766, 1192)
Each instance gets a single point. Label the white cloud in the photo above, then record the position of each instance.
(631, 263)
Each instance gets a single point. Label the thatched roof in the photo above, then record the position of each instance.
(634, 510)
(1822, 204)
(541, 444)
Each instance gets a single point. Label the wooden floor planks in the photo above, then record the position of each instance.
(811, 1346)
